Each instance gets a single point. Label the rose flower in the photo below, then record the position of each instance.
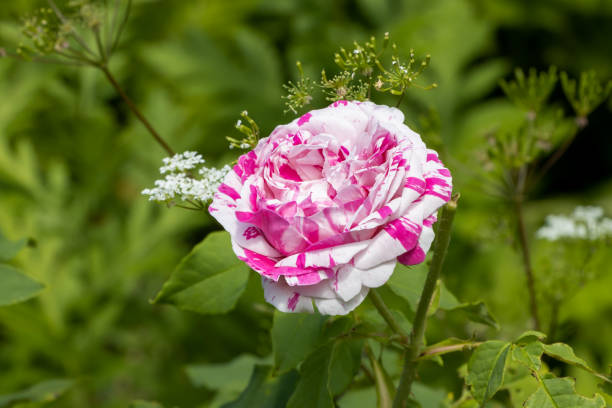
(325, 206)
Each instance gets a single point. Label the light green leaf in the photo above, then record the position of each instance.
(9, 249)
(560, 393)
(45, 391)
(529, 355)
(209, 280)
(145, 404)
(327, 372)
(15, 286)
(231, 376)
(265, 390)
(565, 353)
(486, 369)
(530, 336)
(295, 336)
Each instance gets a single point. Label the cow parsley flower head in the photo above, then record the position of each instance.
(586, 222)
(182, 184)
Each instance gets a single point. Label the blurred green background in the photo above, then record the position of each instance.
(73, 162)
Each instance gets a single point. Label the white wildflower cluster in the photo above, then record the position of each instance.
(585, 223)
(182, 182)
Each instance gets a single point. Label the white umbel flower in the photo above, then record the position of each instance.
(586, 222)
(182, 183)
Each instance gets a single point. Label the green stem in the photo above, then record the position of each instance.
(136, 111)
(418, 329)
(524, 247)
(384, 311)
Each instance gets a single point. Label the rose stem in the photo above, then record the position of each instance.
(418, 329)
(384, 311)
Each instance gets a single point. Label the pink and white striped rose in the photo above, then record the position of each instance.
(325, 206)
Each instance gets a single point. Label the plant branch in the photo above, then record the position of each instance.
(436, 351)
(384, 311)
(524, 247)
(418, 330)
(136, 111)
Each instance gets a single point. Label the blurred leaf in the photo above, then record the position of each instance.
(9, 249)
(560, 393)
(606, 386)
(265, 390)
(407, 282)
(45, 391)
(15, 286)
(232, 376)
(327, 372)
(295, 336)
(486, 369)
(145, 404)
(209, 280)
(385, 389)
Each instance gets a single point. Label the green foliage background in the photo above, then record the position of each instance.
(73, 161)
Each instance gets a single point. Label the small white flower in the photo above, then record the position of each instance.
(238, 123)
(584, 223)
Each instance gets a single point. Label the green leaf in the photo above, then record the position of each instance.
(145, 404)
(9, 249)
(295, 336)
(265, 390)
(560, 393)
(15, 286)
(407, 282)
(45, 391)
(327, 372)
(231, 376)
(209, 280)
(478, 313)
(486, 369)
(563, 352)
(530, 336)
(529, 355)
(385, 389)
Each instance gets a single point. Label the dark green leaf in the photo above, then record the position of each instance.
(209, 280)
(295, 336)
(328, 371)
(45, 391)
(265, 390)
(560, 393)
(15, 286)
(486, 369)
(479, 313)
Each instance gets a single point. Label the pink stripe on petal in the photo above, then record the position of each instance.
(289, 173)
(414, 257)
(304, 119)
(227, 190)
(406, 232)
(433, 157)
(293, 300)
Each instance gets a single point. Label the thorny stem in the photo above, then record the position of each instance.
(524, 247)
(384, 311)
(135, 110)
(418, 329)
